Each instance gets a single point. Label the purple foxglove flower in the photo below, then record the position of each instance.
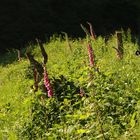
(91, 56)
(47, 83)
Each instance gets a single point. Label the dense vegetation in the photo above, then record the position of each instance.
(23, 21)
(102, 102)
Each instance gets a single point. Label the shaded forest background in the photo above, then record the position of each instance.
(23, 21)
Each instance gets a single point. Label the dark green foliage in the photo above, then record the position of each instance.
(45, 113)
(62, 88)
(111, 107)
(24, 21)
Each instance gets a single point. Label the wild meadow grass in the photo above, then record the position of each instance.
(108, 109)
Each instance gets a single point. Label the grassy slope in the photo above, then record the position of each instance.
(15, 89)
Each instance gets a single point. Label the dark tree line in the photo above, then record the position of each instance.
(23, 21)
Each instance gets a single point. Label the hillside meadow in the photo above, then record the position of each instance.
(88, 103)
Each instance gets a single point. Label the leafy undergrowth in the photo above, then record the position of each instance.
(88, 103)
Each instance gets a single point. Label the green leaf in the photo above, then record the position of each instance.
(133, 121)
(81, 131)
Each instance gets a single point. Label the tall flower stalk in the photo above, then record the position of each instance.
(90, 54)
(47, 83)
(35, 79)
(92, 33)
